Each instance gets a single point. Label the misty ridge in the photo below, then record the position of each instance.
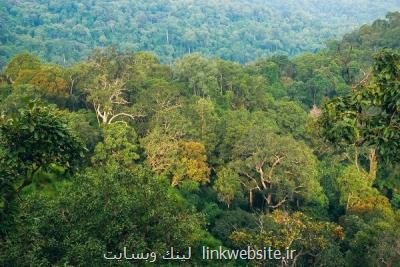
(240, 30)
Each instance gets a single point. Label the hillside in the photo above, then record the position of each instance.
(116, 158)
(241, 30)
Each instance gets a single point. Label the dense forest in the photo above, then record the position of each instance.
(121, 150)
(64, 32)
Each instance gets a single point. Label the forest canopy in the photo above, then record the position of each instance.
(123, 151)
(64, 32)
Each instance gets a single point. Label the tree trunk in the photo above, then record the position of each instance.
(251, 198)
(373, 163)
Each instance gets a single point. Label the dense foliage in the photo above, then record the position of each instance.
(120, 150)
(240, 30)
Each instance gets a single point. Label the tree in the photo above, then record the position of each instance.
(102, 210)
(235, 125)
(376, 241)
(198, 73)
(227, 185)
(83, 124)
(371, 228)
(313, 241)
(31, 142)
(355, 186)
(19, 97)
(229, 222)
(278, 168)
(290, 117)
(204, 124)
(317, 77)
(369, 117)
(27, 69)
(176, 158)
(105, 85)
(192, 163)
(20, 64)
(158, 98)
(120, 145)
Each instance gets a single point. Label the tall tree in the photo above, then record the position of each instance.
(33, 141)
(369, 117)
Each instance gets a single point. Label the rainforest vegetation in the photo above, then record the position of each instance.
(124, 150)
(64, 32)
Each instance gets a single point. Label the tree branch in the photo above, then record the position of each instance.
(133, 117)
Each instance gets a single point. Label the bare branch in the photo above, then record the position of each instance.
(274, 164)
(280, 203)
(133, 117)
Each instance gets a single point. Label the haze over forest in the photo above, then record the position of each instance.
(240, 30)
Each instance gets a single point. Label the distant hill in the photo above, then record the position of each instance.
(240, 30)
(381, 33)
